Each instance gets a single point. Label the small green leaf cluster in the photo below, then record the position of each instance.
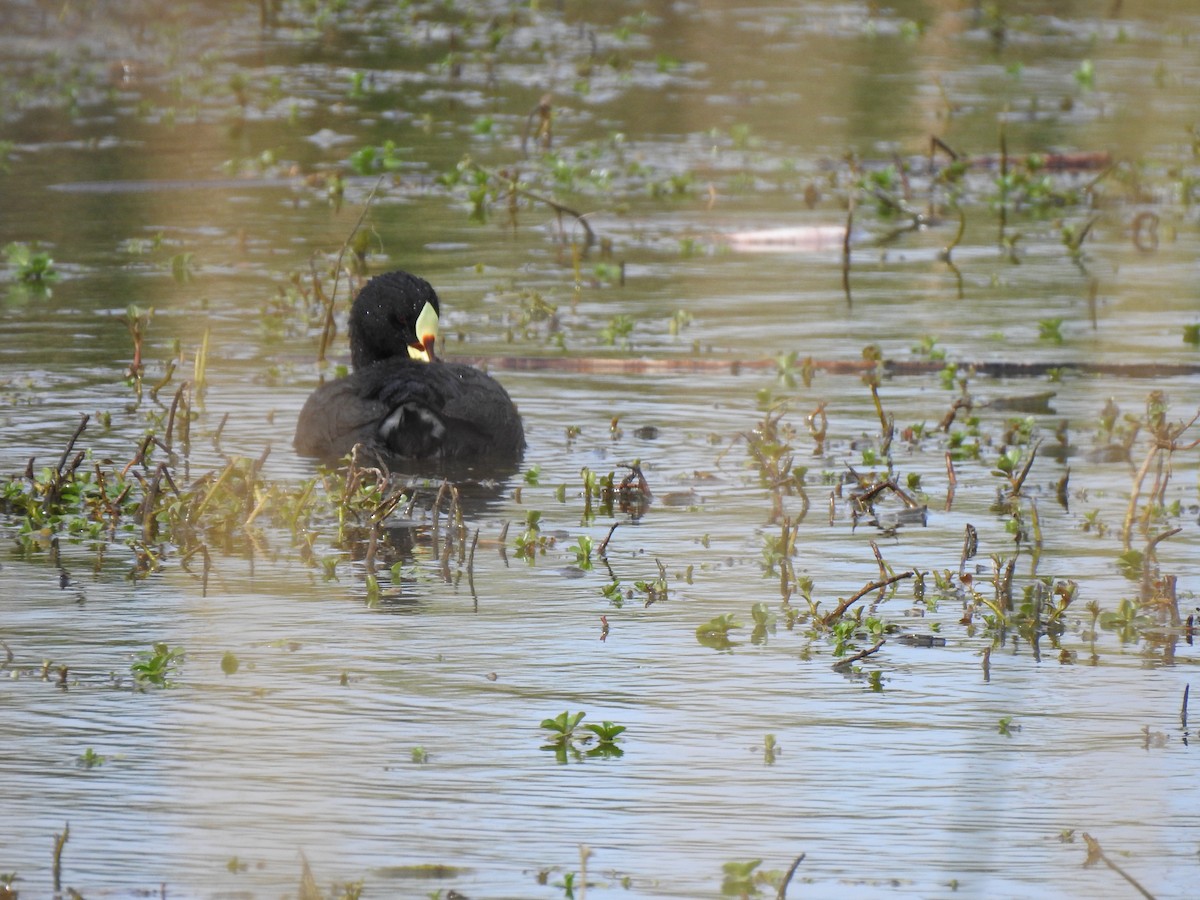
(563, 738)
(32, 266)
(155, 667)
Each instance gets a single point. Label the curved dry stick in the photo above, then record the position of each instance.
(1149, 558)
(608, 537)
(514, 186)
(1020, 480)
(60, 841)
(327, 325)
(783, 885)
(1096, 854)
(62, 460)
(962, 227)
(861, 654)
(841, 608)
(1145, 222)
(543, 111)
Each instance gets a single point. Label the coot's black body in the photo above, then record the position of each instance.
(414, 410)
(396, 404)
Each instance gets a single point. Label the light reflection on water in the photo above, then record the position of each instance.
(282, 757)
(313, 764)
(308, 747)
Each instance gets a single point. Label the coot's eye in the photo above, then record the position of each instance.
(397, 321)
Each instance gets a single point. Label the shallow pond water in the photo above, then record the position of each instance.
(383, 726)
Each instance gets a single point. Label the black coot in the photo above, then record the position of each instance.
(401, 402)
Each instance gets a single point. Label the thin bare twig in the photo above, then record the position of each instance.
(787, 878)
(841, 608)
(1096, 854)
(861, 654)
(515, 187)
(608, 537)
(327, 325)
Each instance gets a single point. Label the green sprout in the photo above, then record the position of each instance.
(33, 266)
(154, 667)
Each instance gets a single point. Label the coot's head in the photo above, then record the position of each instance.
(395, 314)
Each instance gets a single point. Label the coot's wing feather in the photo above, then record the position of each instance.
(449, 411)
(477, 399)
(337, 416)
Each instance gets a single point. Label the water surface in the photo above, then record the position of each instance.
(186, 163)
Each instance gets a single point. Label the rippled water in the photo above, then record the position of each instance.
(218, 786)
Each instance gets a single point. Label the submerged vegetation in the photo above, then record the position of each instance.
(874, 512)
(344, 521)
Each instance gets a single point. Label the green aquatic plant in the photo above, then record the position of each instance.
(715, 632)
(618, 331)
(484, 187)
(772, 447)
(740, 878)
(675, 185)
(562, 726)
(370, 160)
(1085, 75)
(764, 623)
(1131, 564)
(1073, 236)
(606, 732)
(883, 186)
(583, 552)
(928, 348)
(1167, 439)
(137, 321)
(613, 592)
(182, 269)
(1128, 621)
(770, 749)
(1051, 330)
(154, 668)
(532, 541)
(845, 631)
(90, 759)
(154, 507)
(32, 266)
(964, 443)
(1009, 466)
(778, 550)
(654, 589)
(1092, 523)
(948, 377)
(567, 885)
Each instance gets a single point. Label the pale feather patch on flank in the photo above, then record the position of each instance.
(401, 418)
